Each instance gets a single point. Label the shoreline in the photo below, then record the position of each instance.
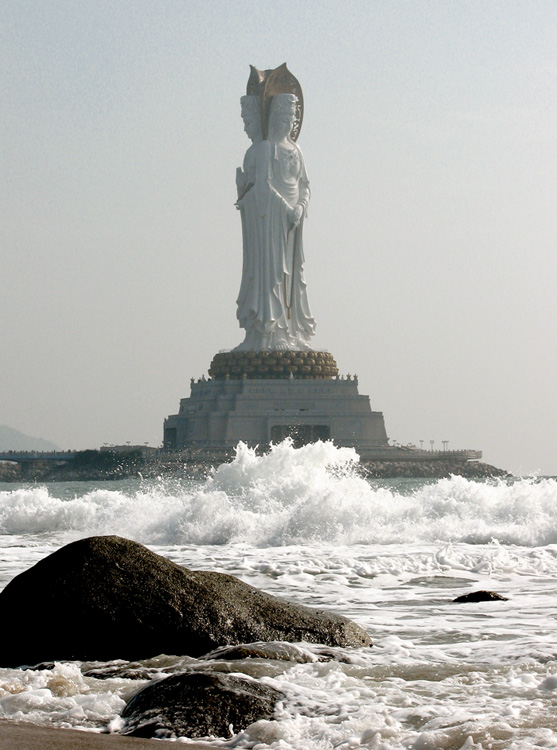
(27, 736)
(369, 470)
(106, 465)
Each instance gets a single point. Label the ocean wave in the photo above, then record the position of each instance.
(291, 496)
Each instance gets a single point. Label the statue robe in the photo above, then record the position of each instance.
(272, 304)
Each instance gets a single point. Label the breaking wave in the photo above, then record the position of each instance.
(291, 496)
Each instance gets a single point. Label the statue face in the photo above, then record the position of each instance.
(283, 124)
(250, 116)
(251, 125)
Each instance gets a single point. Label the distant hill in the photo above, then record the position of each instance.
(12, 440)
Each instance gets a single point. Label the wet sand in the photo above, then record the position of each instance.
(23, 736)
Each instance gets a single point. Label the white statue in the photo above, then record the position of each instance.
(273, 195)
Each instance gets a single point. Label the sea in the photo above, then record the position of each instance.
(392, 555)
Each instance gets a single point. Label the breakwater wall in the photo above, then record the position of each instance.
(93, 465)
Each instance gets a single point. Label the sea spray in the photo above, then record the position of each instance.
(291, 496)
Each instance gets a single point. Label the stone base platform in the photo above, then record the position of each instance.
(265, 404)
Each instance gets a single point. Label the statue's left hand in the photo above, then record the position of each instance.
(296, 215)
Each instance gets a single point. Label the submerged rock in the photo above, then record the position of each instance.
(479, 596)
(198, 704)
(106, 598)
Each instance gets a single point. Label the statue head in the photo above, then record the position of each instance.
(251, 116)
(266, 85)
(282, 116)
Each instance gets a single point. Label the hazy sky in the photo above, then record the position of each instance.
(430, 137)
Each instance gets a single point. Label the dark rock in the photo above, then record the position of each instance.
(106, 598)
(480, 596)
(198, 704)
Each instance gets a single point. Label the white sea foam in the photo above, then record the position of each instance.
(293, 496)
(62, 694)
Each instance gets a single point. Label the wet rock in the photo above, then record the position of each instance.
(272, 650)
(107, 598)
(278, 652)
(198, 704)
(122, 673)
(480, 596)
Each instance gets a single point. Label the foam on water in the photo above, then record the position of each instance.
(368, 700)
(303, 524)
(294, 496)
